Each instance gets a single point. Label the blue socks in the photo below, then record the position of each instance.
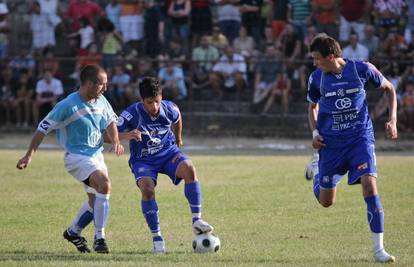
(82, 219)
(100, 214)
(375, 214)
(150, 211)
(192, 192)
(316, 188)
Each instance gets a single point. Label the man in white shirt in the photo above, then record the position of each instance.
(43, 28)
(48, 91)
(229, 71)
(355, 50)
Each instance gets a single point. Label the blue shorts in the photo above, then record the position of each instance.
(167, 164)
(358, 160)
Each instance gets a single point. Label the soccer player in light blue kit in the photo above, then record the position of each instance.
(343, 132)
(154, 127)
(80, 120)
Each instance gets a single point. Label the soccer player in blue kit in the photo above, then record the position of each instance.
(343, 132)
(154, 128)
(80, 120)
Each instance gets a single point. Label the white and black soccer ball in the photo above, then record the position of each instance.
(205, 243)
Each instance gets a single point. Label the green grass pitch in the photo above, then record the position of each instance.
(261, 206)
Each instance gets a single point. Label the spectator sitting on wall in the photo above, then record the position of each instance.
(406, 113)
(119, 83)
(49, 62)
(204, 57)
(267, 70)
(230, 72)
(281, 88)
(48, 91)
(172, 80)
(23, 60)
(23, 91)
(218, 39)
(355, 50)
(6, 94)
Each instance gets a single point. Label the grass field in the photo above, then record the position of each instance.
(261, 206)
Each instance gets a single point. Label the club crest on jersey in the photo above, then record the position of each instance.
(341, 92)
(338, 76)
(343, 103)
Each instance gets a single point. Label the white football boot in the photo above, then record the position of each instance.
(201, 227)
(312, 167)
(382, 256)
(159, 247)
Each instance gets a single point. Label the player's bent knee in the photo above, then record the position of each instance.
(187, 171)
(147, 192)
(100, 181)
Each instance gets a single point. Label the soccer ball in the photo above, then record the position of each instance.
(204, 243)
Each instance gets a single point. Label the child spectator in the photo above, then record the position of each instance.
(87, 36)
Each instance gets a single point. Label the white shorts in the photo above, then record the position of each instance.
(81, 167)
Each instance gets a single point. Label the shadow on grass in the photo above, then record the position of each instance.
(21, 255)
(125, 256)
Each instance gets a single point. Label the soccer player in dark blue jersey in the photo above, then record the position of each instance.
(342, 130)
(153, 128)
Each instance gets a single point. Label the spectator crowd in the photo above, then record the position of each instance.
(237, 50)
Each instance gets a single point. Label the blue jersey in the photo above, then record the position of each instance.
(79, 124)
(157, 137)
(343, 111)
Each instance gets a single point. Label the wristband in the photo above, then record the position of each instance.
(315, 133)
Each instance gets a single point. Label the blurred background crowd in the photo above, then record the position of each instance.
(250, 54)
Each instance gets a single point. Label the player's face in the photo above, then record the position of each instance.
(323, 63)
(152, 105)
(98, 88)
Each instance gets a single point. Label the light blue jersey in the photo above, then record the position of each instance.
(79, 124)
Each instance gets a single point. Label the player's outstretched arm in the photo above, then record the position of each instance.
(391, 124)
(317, 139)
(131, 135)
(34, 144)
(112, 134)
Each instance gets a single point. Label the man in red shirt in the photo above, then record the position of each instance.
(83, 8)
(326, 16)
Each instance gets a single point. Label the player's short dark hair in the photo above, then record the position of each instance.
(150, 87)
(90, 73)
(325, 45)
